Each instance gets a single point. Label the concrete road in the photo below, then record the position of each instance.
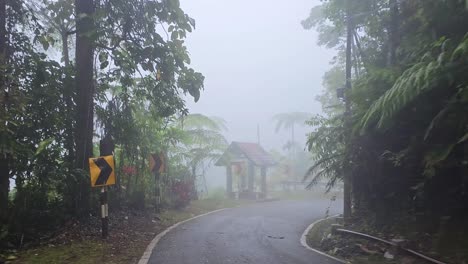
(260, 233)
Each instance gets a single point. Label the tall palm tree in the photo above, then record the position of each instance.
(288, 121)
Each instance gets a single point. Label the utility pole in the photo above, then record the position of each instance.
(347, 117)
(258, 133)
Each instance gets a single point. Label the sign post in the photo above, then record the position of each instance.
(104, 213)
(157, 165)
(102, 174)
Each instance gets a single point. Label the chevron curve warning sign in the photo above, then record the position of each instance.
(101, 170)
(157, 162)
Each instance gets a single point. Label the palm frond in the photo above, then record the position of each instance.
(199, 121)
(287, 120)
(328, 166)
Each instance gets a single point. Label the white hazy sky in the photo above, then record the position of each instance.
(258, 61)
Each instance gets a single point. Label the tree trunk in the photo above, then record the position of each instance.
(393, 32)
(356, 59)
(4, 188)
(194, 180)
(129, 184)
(346, 163)
(84, 91)
(120, 170)
(68, 98)
(359, 49)
(65, 51)
(4, 168)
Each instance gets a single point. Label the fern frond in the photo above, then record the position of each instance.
(430, 73)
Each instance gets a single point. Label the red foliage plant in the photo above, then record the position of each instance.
(129, 170)
(182, 192)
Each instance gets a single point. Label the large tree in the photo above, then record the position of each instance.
(409, 93)
(84, 81)
(125, 78)
(289, 121)
(4, 168)
(57, 18)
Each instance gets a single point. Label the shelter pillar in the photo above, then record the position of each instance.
(229, 180)
(251, 179)
(263, 187)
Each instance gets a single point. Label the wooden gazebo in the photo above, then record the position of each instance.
(250, 155)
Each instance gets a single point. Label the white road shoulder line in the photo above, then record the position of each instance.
(304, 241)
(149, 249)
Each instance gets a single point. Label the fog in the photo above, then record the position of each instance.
(258, 61)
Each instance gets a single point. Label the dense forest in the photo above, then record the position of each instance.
(74, 72)
(399, 132)
(393, 128)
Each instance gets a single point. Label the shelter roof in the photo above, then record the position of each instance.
(251, 151)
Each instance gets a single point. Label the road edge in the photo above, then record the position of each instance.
(149, 249)
(303, 241)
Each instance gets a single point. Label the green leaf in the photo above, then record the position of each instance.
(45, 44)
(182, 34)
(463, 139)
(104, 65)
(103, 56)
(438, 155)
(431, 72)
(195, 93)
(174, 35)
(43, 145)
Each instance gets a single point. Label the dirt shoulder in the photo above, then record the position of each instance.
(353, 249)
(130, 233)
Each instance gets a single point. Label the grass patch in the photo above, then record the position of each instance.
(304, 195)
(79, 252)
(198, 207)
(319, 231)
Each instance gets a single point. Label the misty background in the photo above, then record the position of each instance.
(258, 61)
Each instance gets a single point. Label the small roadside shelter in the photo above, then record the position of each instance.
(249, 155)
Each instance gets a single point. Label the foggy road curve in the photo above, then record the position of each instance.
(261, 233)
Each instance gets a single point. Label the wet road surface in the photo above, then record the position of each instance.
(260, 233)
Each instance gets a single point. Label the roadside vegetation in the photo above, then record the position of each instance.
(75, 72)
(393, 133)
(301, 194)
(399, 135)
(130, 233)
(355, 249)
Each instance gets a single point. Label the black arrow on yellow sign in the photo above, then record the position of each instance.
(106, 171)
(101, 171)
